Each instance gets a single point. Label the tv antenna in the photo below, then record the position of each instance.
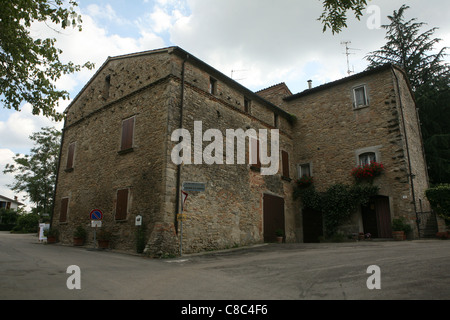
(348, 53)
(234, 71)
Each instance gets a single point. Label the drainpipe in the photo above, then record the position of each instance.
(178, 195)
(411, 175)
(57, 173)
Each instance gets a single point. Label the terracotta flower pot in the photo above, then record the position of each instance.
(103, 244)
(78, 241)
(51, 239)
(398, 235)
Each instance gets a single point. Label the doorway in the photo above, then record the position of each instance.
(312, 225)
(273, 208)
(376, 217)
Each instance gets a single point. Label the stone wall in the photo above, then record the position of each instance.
(229, 212)
(100, 170)
(331, 134)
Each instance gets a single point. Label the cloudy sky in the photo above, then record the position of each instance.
(257, 42)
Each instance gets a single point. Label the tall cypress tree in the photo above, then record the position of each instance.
(414, 51)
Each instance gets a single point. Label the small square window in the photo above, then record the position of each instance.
(304, 170)
(367, 158)
(360, 97)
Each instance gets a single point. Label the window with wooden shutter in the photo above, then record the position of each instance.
(122, 204)
(127, 134)
(70, 157)
(285, 163)
(255, 154)
(64, 209)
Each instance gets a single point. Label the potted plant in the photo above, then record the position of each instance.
(400, 228)
(103, 239)
(52, 235)
(279, 234)
(79, 236)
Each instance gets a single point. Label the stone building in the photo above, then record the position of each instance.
(118, 146)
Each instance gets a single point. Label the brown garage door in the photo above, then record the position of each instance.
(273, 216)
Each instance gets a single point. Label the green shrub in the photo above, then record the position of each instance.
(439, 198)
(27, 223)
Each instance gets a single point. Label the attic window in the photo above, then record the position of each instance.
(247, 105)
(107, 86)
(360, 97)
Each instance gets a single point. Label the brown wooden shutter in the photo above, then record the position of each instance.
(122, 204)
(127, 133)
(64, 208)
(258, 162)
(285, 163)
(70, 156)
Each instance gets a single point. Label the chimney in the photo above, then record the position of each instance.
(15, 198)
(309, 84)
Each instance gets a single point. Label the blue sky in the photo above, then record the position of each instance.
(268, 41)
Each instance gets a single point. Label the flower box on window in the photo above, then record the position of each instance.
(367, 172)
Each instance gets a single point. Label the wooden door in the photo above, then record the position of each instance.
(312, 225)
(273, 208)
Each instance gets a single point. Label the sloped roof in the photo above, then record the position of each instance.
(343, 80)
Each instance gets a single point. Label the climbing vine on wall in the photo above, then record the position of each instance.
(337, 203)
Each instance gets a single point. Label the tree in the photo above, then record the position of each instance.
(334, 15)
(429, 75)
(29, 67)
(35, 173)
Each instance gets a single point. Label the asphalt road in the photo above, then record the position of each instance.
(408, 270)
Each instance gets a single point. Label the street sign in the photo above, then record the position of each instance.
(96, 214)
(138, 220)
(194, 186)
(96, 223)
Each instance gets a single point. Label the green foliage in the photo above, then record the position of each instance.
(27, 223)
(337, 203)
(8, 216)
(35, 173)
(429, 76)
(400, 224)
(334, 16)
(439, 198)
(30, 67)
(80, 232)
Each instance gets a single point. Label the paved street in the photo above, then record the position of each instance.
(408, 270)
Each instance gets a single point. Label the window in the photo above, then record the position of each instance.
(127, 134)
(107, 86)
(254, 156)
(360, 97)
(64, 209)
(70, 157)
(247, 105)
(285, 163)
(122, 204)
(212, 85)
(367, 158)
(276, 120)
(304, 170)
